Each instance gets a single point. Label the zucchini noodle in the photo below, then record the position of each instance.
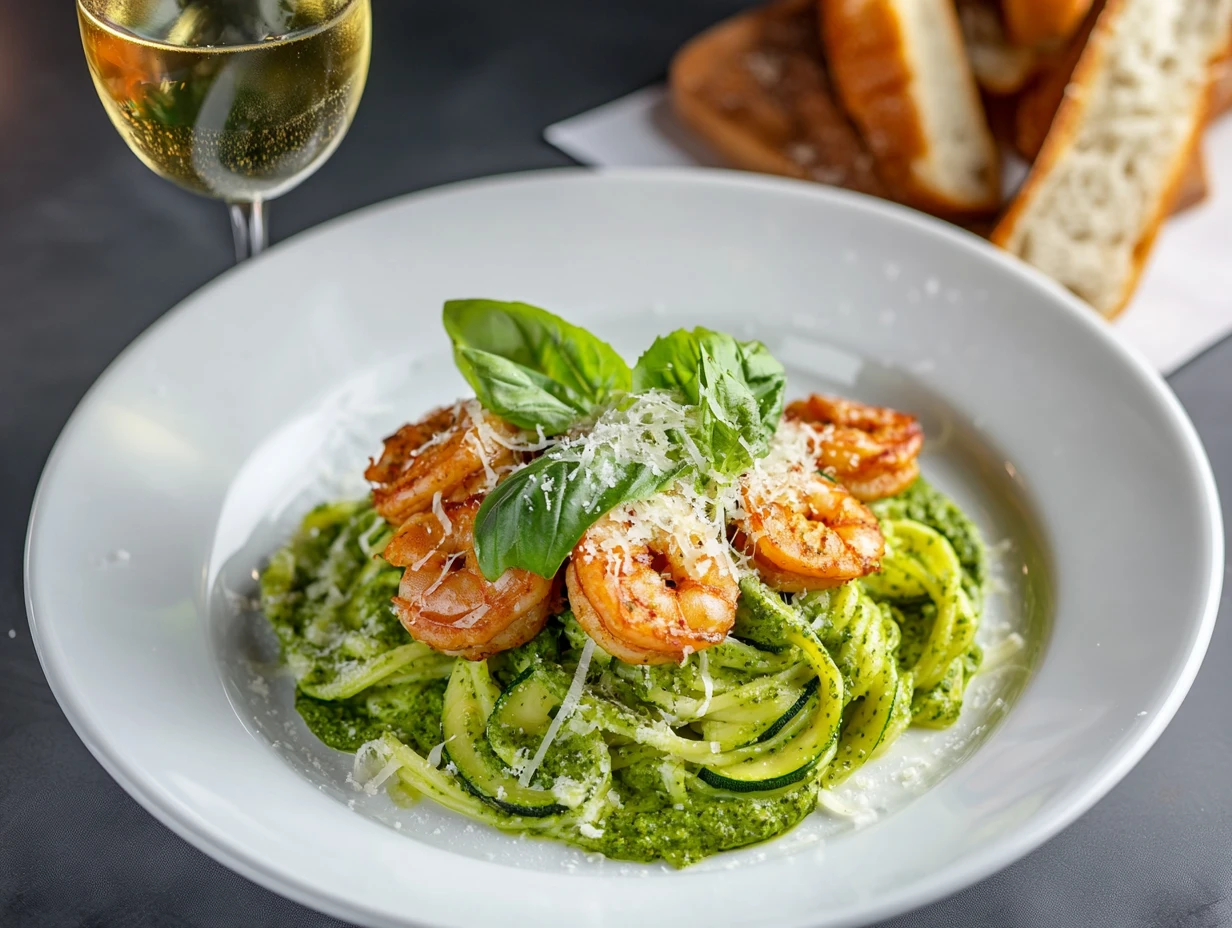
(634, 761)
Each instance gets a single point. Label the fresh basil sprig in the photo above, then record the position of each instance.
(533, 519)
(531, 367)
(538, 371)
(737, 386)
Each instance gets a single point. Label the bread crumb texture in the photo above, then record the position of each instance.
(1100, 188)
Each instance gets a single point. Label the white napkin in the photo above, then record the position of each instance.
(1183, 304)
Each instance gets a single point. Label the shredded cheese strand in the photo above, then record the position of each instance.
(434, 755)
(703, 665)
(471, 618)
(572, 698)
(439, 580)
(439, 511)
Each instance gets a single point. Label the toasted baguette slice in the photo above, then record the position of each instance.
(1037, 107)
(1110, 166)
(1221, 85)
(1038, 104)
(1000, 67)
(1036, 22)
(756, 88)
(902, 73)
(1194, 186)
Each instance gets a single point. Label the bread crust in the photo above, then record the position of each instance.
(1165, 205)
(1069, 116)
(1194, 186)
(1038, 105)
(866, 49)
(1036, 22)
(1219, 97)
(1001, 68)
(756, 88)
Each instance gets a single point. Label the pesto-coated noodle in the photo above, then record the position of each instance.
(710, 737)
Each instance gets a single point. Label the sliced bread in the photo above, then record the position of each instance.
(756, 88)
(1221, 85)
(1194, 186)
(1000, 67)
(1037, 106)
(1038, 22)
(902, 73)
(1109, 169)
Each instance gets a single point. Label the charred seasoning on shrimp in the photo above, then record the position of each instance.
(445, 602)
(871, 450)
(653, 591)
(454, 452)
(803, 530)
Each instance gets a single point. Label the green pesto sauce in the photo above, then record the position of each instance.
(651, 826)
(939, 706)
(922, 502)
(411, 711)
(327, 597)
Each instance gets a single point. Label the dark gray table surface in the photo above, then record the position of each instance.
(93, 248)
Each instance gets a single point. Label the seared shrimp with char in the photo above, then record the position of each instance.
(650, 596)
(455, 451)
(803, 530)
(871, 450)
(446, 602)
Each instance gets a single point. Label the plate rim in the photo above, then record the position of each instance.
(1002, 851)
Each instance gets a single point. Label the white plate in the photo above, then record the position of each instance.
(193, 455)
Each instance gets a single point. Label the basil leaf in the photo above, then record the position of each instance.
(522, 524)
(573, 366)
(671, 363)
(518, 394)
(730, 416)
(738, 387)
(768, 381)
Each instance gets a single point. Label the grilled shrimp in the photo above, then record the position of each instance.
(445, 602)
(455, 451)
(806, 532)
(645, 599)
(871, 450)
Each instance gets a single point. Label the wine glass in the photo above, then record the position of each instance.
(235, 99)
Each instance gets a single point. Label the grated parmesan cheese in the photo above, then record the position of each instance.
(777, 478)
(1002, 652)
(434, 755)
(567, 706)
(707, 686)
(650, 430)
(418, 565)
(365, 540)
(432, 588)
(439, 511)
(687, 524)
(471, 618)
(365, 772)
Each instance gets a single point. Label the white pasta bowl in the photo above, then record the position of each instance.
(195, 453)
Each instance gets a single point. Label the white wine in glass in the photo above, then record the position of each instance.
(235, 99)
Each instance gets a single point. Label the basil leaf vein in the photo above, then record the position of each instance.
(550, 365)
(522, 525)
(738, 387)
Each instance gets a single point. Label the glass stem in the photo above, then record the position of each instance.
(248, 226)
